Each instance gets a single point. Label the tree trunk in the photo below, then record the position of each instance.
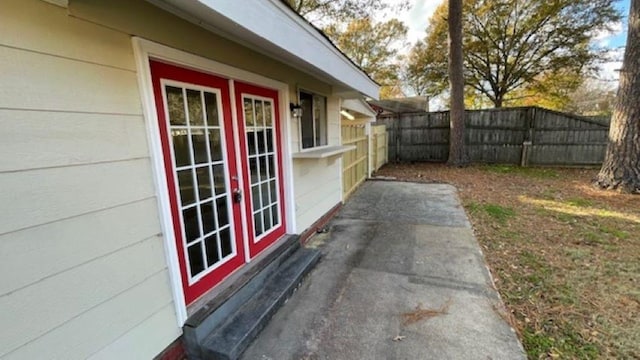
(457, 149)
(621, 167)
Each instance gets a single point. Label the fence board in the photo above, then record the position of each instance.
(497, 136)
(354, 162)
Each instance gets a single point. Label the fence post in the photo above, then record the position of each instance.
(526, 148)
(396, 124)
(528, 136)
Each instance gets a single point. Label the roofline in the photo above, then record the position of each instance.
(327, 38)
(267, 26)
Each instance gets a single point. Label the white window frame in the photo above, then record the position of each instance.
(144, 50)
(326, 121)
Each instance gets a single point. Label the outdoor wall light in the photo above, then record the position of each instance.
(296, 110)
(346, 114)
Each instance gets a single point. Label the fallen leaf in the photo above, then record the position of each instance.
(399, 338)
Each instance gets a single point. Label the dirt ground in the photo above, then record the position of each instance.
(565, 257)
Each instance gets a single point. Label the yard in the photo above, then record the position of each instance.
(565, 257)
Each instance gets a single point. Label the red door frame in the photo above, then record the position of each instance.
(160, 71)
(249, 89)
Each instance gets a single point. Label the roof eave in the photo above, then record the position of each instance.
(275, 30)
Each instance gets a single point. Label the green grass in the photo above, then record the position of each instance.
(498, 212)
(532, 172)
(562, 341)
(579, 202)
(620, 234)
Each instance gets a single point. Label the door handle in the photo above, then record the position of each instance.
(237, 195)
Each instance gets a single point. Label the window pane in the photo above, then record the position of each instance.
(273, 190)
(320, 119)
(257, 223)
(265, 194)
(211, 103)
(215, 145)
(191, 227)
(181, 147)
(199, 140)
(253, 170)
(272, 169)
(259, 114)
(185, 183)
(211, 245)
(274, 214)
(223, 218)
(260, 141)
(306, 121)
(266, 219)
(194, 105)
(267, 114)
(175, 105)
(218, 179)
(225, 242)
(208, 218)
(255, 196)
(269, 135)
(204, 182)
(251, 142)
(196, 263)
(248, 112)
(263, 168)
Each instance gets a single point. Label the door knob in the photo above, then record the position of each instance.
(237, 195)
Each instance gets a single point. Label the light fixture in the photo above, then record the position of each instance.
(346, 114)
(296, 110)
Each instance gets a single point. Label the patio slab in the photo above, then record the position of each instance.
(394, 247)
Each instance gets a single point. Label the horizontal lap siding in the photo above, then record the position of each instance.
(55, 139)
(317, 182)
(62, 245)
(80, 233)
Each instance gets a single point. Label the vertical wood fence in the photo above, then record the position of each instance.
(355, 163)
(379, 146)
(524, 136)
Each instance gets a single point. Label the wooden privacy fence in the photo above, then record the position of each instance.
(379, 146)
(354, 162)
(524, 136)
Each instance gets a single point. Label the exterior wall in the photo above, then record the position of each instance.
(83, 267)
(142, 19)
(79, 228)
(317, 182)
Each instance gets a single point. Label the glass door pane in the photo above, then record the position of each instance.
(204, 197)
(259, 128)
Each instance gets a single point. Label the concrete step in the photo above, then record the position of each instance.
(228, 341)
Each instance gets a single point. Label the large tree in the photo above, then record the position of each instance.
(326, 12)
(621, 167)
(457, 153)
(511, 44)
(373, 46)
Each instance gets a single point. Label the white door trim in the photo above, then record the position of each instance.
(143, 51)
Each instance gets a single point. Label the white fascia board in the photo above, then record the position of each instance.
(61, 3)
(360, 106)
(275, 29)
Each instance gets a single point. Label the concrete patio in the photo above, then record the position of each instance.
(394, 247)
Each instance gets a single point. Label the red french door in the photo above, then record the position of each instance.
(196, 133)
(207, 191)
(260, 139)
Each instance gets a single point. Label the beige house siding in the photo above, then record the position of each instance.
(80, 232)
(318, 182)
(142, 19)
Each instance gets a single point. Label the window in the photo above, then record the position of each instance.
(313, 123)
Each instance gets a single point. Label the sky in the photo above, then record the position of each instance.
(417, 18)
